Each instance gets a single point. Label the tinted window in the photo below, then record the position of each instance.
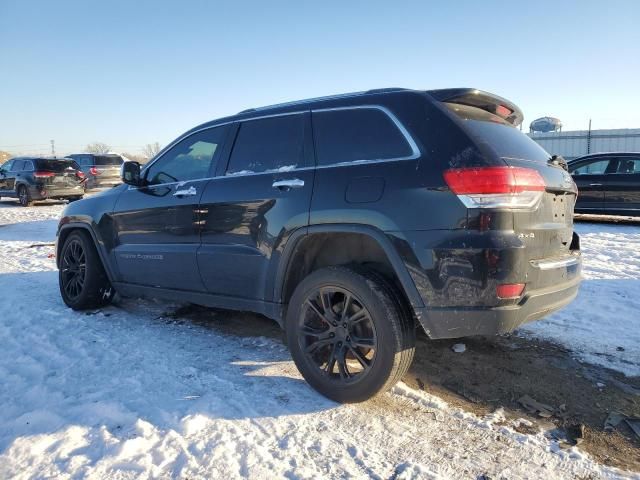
(595, 167)
(54, 165)
(17, 165)
(7, 165)
(357, 134)
(506, 140)
(628, 165)
(191, 159)
(107, 160)
(28, 166)
(270, 144)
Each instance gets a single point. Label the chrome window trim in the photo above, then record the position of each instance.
(415, 151)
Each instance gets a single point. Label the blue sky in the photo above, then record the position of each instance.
(133, 72)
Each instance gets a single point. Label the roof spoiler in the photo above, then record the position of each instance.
(489, 102)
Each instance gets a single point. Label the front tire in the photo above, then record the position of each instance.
(82, 279)
(24, 197)
(348, 333)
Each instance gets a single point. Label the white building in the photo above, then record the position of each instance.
(581, 142)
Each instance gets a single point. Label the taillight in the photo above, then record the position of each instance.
(496, 187)
(79, 174)
(43, 174)
(509, 290)
(94, 171)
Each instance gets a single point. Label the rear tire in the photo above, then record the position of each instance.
(82, 279)
(349, 354)
(24, 197)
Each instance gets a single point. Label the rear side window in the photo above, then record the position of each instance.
(107, 160)
(357, 134)
(595, 167)
(506, 140)
(268, 145)
(628, 165)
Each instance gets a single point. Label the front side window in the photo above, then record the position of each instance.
(6, 166)
(268, 145)
(193, 158)
(17, 166)
(357, 134)
(597, 167)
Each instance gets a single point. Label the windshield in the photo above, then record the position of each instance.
(56, 165)
(506, 140)
(107, 160)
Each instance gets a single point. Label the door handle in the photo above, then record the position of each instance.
(187, 192)
(595, 184)
(286, 185)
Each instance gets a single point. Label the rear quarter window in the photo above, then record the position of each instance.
(357, 134)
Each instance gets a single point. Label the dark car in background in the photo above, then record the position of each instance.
(32, 179)
(350, 220)
(101, 170)
(608, 183)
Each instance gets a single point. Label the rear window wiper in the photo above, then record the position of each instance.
(558, 161)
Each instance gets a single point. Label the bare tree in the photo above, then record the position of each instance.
(98, 147)
(4, 156)
(135, 157)
(150, 150)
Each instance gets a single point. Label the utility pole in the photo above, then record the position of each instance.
(53, 148)
(589, 138)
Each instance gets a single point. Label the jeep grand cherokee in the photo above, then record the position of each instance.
(351, 220)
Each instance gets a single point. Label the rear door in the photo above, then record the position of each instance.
(622, 185)
(157, 225)
(590, 177)
(251, 208)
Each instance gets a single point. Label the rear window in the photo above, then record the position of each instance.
(507, 141)
(107, 160)
(357, 134)
(55, 165)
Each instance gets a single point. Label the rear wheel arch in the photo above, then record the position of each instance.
(321, 246)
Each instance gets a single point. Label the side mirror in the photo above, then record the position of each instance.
(130, 173)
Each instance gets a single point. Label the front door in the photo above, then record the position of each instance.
(157, 224)
(590, 177)
(251, 208)
(4, 174)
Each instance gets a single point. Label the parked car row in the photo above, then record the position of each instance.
(31, 179)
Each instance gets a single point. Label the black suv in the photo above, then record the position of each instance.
(101, 170)
(350, 220)
(32, 179)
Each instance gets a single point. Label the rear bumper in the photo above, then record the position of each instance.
(37, 193)
(458, 273)
(456, 322)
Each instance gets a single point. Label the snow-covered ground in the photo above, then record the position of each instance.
(603, 325)
(128, 393)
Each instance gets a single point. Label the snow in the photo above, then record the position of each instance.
(128, 392)
(602, 326)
